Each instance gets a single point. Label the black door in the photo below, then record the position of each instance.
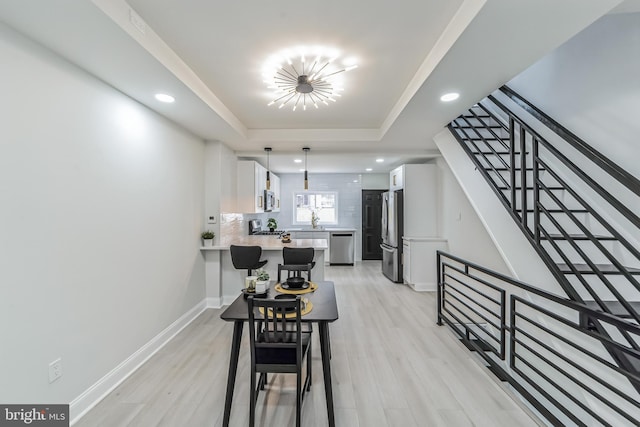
(371, 224)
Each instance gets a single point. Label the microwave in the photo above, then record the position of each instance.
(269, 200)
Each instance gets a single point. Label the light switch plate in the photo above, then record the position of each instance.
(55, 370)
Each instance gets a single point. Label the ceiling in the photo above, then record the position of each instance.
(209, 55)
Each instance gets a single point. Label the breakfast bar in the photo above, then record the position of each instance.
(223, 282)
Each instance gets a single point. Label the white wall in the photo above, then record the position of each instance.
(460, 225)
(101, 209)
(590, 85)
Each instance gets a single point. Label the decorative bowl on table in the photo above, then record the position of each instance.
(295, 282)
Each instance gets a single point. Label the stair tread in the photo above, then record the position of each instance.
(604, 268)
(577, 237)
(615, 307)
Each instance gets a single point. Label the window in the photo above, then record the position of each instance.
(324, 204)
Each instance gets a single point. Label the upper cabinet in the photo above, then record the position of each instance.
(252, 183)
(396, 178)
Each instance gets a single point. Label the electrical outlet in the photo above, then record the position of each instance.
(211, 219)
(55, 370)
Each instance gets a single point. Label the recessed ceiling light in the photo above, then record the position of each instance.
(379, 160)
(355, 180)
(448, 97)
(163, 97)
(297, 160)
(368, 169)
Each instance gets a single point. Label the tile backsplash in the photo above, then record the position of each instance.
(347, 186)
(238, 223)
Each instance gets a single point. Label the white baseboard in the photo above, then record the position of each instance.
(227, 300)
(423, 287)
(213, 302)
(219, 302)
(94, 394)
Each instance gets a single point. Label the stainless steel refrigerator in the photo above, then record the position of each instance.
(392, 231)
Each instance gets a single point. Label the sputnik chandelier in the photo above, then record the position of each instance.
(305, 78)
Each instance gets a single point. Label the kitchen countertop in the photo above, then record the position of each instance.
(268, 243)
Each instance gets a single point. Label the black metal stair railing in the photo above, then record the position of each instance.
(582, 231)
(571, 202)
(534, 340)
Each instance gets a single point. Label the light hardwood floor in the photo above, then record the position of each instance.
(392, 366)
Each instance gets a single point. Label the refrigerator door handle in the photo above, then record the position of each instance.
(385, 210)
(387, 248)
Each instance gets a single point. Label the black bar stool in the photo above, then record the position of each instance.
(301, 257)
(247, 258)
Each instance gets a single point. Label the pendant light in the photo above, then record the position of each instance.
(268, 150)
(306, 178)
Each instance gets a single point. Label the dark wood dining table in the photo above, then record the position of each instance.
(325, 311)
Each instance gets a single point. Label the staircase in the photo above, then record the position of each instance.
(576, 207)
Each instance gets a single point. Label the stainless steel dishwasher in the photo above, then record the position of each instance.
(341, 245)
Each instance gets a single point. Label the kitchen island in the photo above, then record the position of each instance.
(224, 282)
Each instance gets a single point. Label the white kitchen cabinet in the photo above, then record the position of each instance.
(310, 234)
(252, 181)
(419, 256)
(396, 178)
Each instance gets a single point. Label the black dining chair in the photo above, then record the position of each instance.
(278, 345)
(297, 260)
(247, 258)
